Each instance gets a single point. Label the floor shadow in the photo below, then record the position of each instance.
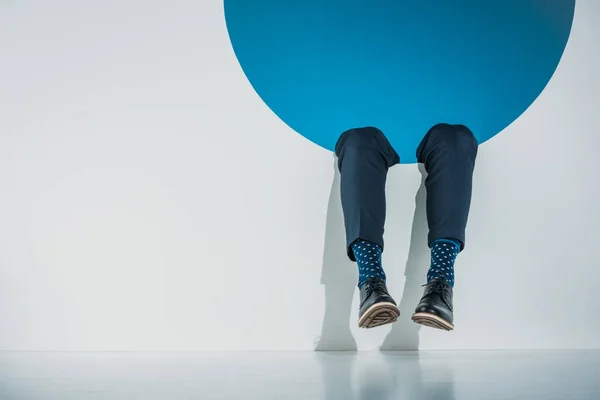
(381, 381)
(337, 371)
(339, 276)
(404, 334)
(401, 375)
(418, 377)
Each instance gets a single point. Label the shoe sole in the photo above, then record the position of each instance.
(379, 314)
(432, 321)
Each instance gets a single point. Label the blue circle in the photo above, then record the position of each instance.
(325, 66)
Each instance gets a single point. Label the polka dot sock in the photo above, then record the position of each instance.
(443, 254)
(368, 258)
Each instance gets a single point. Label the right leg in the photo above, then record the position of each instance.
(364, 157)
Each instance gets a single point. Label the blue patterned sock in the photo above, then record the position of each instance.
(368, 258)
(443, 254)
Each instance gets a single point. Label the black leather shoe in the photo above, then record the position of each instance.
(435, 308)
(376, 305)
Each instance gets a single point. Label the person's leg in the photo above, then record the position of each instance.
(448, 153)
(364, 157)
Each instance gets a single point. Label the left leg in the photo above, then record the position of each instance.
(448, 153)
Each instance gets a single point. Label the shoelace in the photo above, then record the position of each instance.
(374, 285)
(439, 286)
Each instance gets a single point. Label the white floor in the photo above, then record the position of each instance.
(468, 375)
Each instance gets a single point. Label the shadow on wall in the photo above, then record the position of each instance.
(339, 276)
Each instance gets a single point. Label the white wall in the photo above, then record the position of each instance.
(151, 201)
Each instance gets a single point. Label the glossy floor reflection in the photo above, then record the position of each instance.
(471, 375)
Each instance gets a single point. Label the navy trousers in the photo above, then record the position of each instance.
(364, 157)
